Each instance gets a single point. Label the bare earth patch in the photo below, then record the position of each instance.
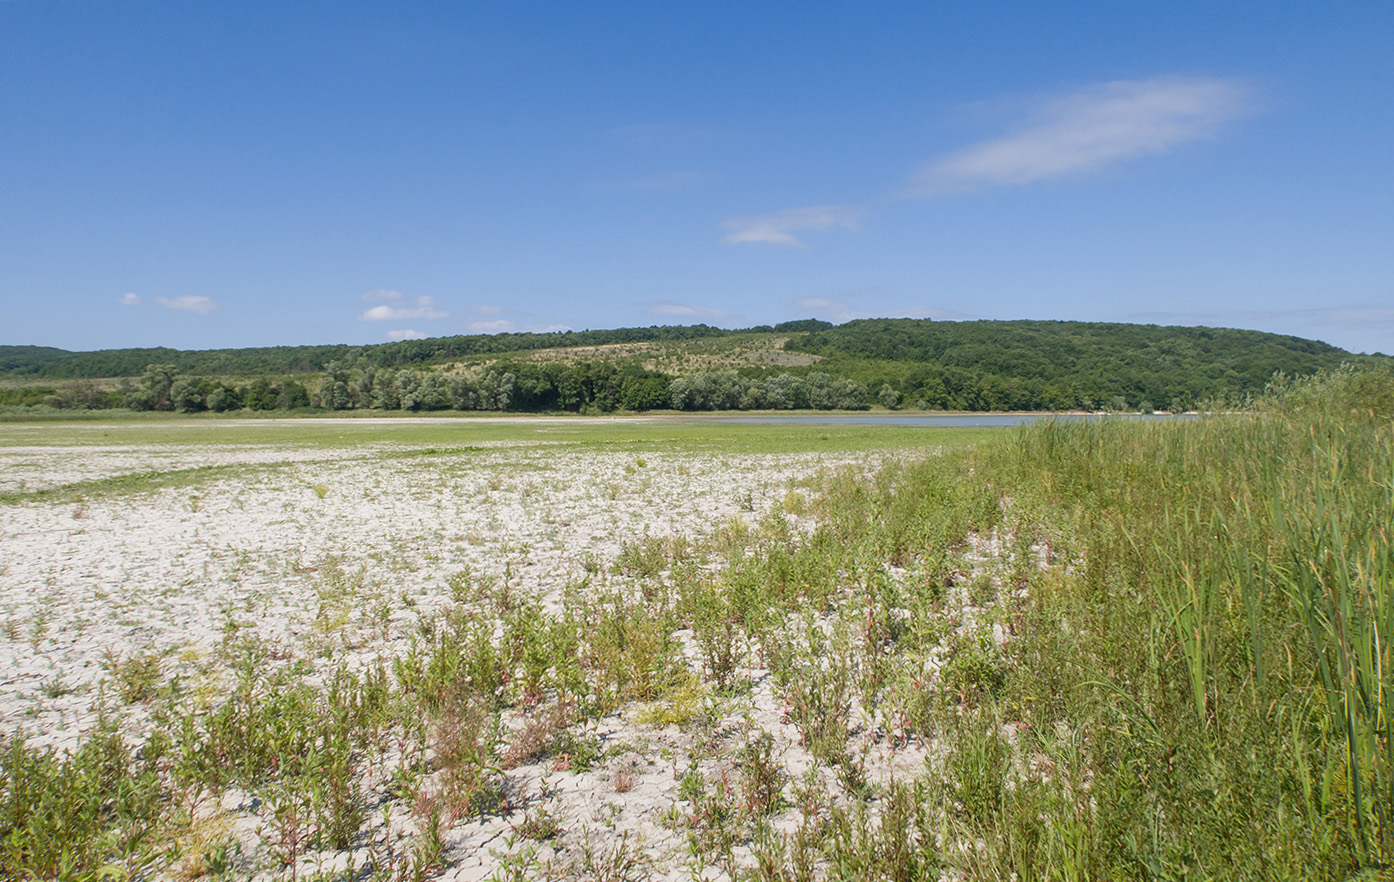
(174, 571)
(337, 556)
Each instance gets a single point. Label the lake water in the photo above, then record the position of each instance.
(961, 420)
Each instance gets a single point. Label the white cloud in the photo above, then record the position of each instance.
(486, 309)
(778, 228)
(839, 311)
(130, 298)
(504, 326)
(191, 303)
(682, 310)
(1091, 128)
(820, 303)
(378, 294)
(408, 334)
(496, 326)
(422, 308)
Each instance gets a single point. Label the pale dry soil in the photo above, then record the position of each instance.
(335, 555)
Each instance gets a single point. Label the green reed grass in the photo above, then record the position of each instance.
(1231, 629)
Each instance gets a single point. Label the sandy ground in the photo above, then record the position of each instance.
(371, 539)
(172, 570)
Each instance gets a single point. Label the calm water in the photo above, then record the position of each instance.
(966, 420)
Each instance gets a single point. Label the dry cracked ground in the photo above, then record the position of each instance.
(115, 555)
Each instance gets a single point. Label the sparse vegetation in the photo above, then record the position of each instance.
(1108, 649)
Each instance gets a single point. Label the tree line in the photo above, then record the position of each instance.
(967, 366)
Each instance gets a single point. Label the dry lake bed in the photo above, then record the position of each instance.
(141, 562)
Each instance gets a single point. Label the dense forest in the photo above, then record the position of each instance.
(913, 363)
(1047, 365)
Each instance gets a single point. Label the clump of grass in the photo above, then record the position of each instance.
(55, 687)
(536, 738)
(138, 675)
(463, 736)
(681, 704)
(71, 815)
(762, 777)
(648, 556)
(206, 849)
(539, 824)
(624, 779)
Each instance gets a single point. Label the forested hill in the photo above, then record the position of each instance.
(1066, 347)
(1068, 363)
(916, 363)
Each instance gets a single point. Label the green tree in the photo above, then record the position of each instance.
(889, 397)
(294, 395)
(261, 395)
(152, 393)
(185, 395)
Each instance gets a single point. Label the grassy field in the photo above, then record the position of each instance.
(693, 433)
(682, 649)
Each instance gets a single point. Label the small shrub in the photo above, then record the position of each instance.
(762, 777)
(582, 752)
(975, 669)
(538, 737)
(463, 736)
(137, 676)
(538, 824)
(625, 778)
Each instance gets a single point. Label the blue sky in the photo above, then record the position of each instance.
(202, 175)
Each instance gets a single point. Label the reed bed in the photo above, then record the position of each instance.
(1223, 644)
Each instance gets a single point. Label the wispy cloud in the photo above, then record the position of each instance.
(380, 294)
(504, 326)
(1350, 316)
(192, 303)
(419, 308)
(130, 298)
(1344, 319)
(839, 311)
(779, 228)
(407, 334)
(1092, 128)
(1326, 315)
(682, 310)
(495, 319)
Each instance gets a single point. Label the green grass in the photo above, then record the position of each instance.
(138, 482)
(446, 439)
(1128, 650)
(694, 433)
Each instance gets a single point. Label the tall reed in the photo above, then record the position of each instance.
(1233, 610)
